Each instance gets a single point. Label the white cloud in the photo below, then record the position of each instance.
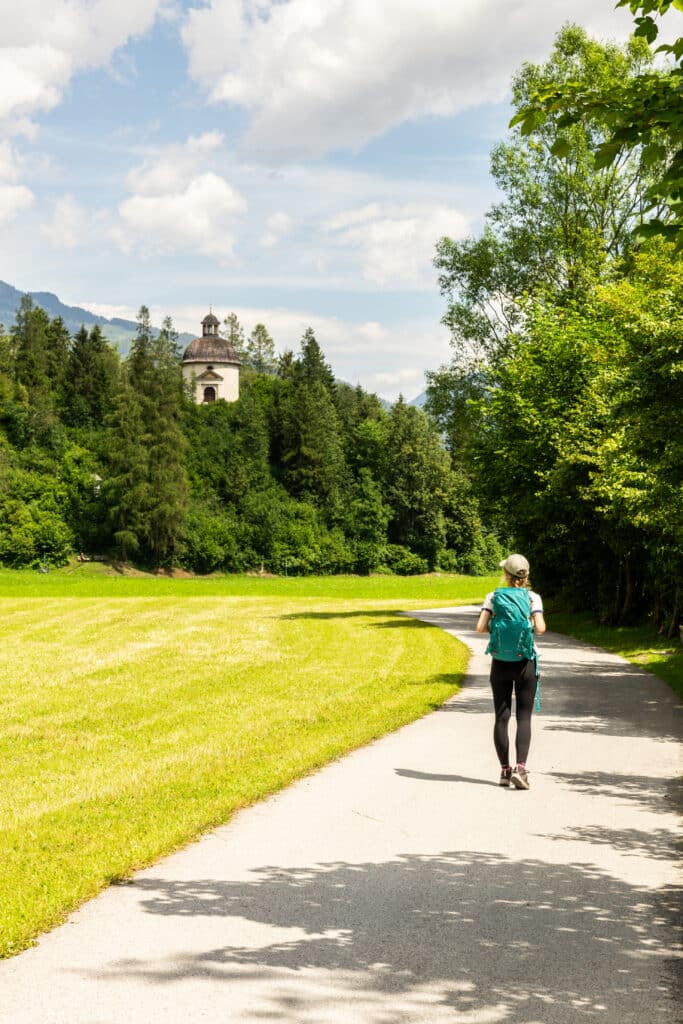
(381, 358)
(42, 49)
(69, 226)
(8, 164)
(277, 226)
(175, 166)
(319, 76)
(395, 243)
(174, 206)
(13, 197)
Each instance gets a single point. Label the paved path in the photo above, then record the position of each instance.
(401, 885)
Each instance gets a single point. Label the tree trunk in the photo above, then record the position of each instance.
(628, 594)
(673, 625)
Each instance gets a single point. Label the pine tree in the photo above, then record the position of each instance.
(235, 335)
(126, 484)
(312, 365)
(58, 345)
(33, 367)
(261, 351)
(140, 360)
(90, 379)
(167, 475)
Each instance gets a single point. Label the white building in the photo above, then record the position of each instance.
(211, 366)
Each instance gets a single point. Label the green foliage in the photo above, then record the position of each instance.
(126, 482)
(301, 475)
(33, 506)
(584, 421)
(560, 219)
(234, 333)
(418, 485)
(641, 113)
(404, 562)
(146, 486)
(211, 541)
(562, 405)
(90, 380)
(260, 351)
(367, 520)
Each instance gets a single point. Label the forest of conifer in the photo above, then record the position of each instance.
(108, 457)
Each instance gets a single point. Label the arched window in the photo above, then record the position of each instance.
(209, 394)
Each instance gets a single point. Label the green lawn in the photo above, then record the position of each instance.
(137, 712)
(96, 580)
(641, 645)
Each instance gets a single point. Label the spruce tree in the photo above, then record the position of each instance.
(33, 367)
(90, 379)
(311, 363)
(167, 475)
(234, 333)
(261, 355)
(126, 483)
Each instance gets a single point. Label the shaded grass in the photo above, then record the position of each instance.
(130, 725)
(641, 645)
(96, 580)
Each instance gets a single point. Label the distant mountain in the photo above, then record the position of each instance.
(117, 331)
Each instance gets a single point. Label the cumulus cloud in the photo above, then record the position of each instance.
(177, 206)
(172, 169)
(69, 225)
(41, 50)
(319, 76)
(395, 243)
(379, 357)
(13, 197)
(277, 226)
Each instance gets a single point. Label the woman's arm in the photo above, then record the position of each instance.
(538, 622)
(483, 622)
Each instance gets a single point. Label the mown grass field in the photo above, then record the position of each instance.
(136, 713)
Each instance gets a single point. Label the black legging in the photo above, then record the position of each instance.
(506, 676)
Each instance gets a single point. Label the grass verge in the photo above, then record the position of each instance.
(133, 720)
(641, 645)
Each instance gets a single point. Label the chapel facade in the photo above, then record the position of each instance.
(210, 365)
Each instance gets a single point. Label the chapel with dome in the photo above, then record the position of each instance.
(210, 365)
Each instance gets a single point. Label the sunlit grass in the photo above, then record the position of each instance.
(130, 724)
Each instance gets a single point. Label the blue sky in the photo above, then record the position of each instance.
(292, 161)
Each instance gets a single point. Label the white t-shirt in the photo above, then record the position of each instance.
(536, 602)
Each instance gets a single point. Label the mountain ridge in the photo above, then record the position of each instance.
(118, 331)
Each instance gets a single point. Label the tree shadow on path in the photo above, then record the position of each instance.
(475, 934)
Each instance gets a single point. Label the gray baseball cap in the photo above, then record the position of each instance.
(515, 565)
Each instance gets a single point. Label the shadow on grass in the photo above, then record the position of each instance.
(456, 936)
(398, 620)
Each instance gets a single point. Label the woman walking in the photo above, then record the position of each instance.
(511, 614)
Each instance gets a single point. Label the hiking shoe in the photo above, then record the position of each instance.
(520, 778)
(505, 776)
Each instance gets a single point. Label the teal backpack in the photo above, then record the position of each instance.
(511, 634)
